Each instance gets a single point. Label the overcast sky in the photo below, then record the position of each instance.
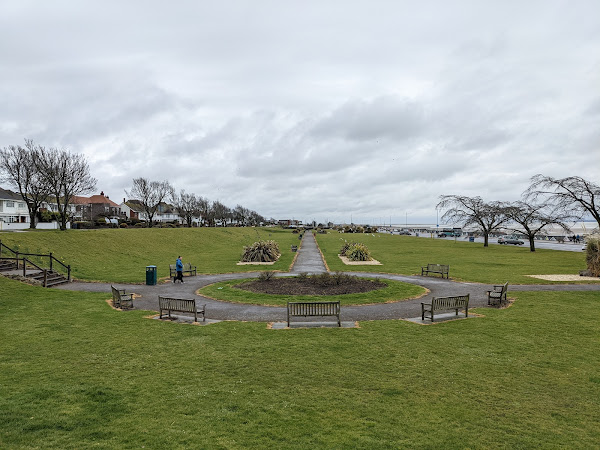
(325, 110)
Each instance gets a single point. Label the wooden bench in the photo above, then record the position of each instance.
(121, 299)
(498, 294)
(436, 268)
(180, 305)
(445, 304)
(188, 269)
(313, 309)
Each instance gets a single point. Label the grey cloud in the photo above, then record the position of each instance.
(386, 117)
(309, 109)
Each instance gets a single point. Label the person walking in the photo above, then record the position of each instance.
(179, 269)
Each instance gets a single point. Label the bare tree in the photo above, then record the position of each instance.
(533, 218)
(187, 206)
(19, 169)
(256, 219)
(150, 194)
(241, 215)
(66, 174)
(220, 212)
(573, 196)
(473, 211)
(204, 210)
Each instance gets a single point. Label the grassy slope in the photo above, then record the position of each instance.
(121, 255)
(76, 374)
(468, 261)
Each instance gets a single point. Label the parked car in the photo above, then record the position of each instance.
(510, 240)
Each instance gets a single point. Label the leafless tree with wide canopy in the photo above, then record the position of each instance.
(467, 211)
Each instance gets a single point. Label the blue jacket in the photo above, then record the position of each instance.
(178, 265)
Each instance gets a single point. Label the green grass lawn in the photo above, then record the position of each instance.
(121, 255)
(468, 261)
(76, 374)
(394, 291)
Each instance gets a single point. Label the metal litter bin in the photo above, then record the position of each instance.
(471, 239)
(150, 275)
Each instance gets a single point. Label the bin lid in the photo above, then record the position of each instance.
(148, 267)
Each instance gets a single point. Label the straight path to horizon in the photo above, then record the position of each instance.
(309, 259)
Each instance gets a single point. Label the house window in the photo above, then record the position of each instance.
(10, 204)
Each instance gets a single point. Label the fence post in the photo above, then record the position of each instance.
(17, 259)
(69, 272)
(24, 266)
(45, 277)
(50, 260)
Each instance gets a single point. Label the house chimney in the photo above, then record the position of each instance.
(123, 199)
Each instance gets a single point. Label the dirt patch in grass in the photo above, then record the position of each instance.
(564, 278)
(297, 286)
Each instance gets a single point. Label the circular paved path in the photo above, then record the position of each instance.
(309, 260)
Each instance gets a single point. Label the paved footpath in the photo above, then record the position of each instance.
(309, 260)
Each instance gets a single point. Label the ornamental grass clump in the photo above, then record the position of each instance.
(592, 255)
(261, 251)
(355, 251)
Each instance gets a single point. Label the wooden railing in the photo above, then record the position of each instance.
(22, 256)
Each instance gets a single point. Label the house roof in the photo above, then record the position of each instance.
(79, 200)
(6, 194)
(135, 205)
(102, 199)
(94, 199)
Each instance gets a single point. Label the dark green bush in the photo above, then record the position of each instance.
(261, 251)
(355, 251)
(266, 275)
(592, 255)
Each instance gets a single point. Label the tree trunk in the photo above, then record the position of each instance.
(531, 243)
(32, 219)
(63, 222)
(485, 239)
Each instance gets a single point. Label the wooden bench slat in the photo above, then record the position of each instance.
(498, 293)
(121, 300)
(188, 269)
(442, 269)
(445, 304)
(180, 305)
(313, 309)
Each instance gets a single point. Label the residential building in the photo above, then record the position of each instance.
(95, 207)
(133, 209)
(13, 208)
